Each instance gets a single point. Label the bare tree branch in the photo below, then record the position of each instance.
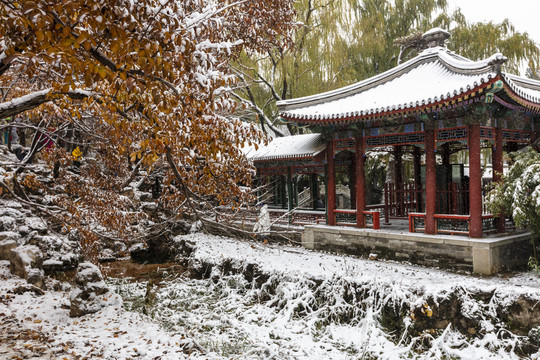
(264, 120)
(252, 103)
(5, 62)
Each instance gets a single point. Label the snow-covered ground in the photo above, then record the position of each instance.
(34, 326)
(303, 262)
(301, 309)
(305, 321)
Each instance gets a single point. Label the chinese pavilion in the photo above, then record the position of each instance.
(439, 115)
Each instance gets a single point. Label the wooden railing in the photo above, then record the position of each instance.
(347, 217)
(277, 216)
(375, 219)
(451, 199)
(451, 224)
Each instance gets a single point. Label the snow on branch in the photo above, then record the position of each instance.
(33, 100)
(198, 18)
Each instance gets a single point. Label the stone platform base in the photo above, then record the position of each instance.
(487, 256)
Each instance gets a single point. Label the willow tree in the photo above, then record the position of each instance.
(148, 81)
(481, 40)
(383, 28)
(311, 65)
(376, 24)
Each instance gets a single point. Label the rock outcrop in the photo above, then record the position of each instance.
(19, 227)
(26, 262)
(5, 248)
(90, 294)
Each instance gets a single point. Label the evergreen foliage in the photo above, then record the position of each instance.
(518, 194)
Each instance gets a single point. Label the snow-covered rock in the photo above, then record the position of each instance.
(106, 255)
(49, 242)
(7, 223)
(128, 191)
(5, 248)
(53, 265)
(11, 211)
(145, 197)
(9, 235)
(24, 230)
(91, 293)
(36, 277)
(37, 224)
(11, 204)
(23, 258)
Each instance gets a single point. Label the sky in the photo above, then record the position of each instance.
(523, 14)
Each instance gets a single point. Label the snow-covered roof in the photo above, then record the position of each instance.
(436, 76)
(290, 147)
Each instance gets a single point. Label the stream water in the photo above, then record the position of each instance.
(133, 271)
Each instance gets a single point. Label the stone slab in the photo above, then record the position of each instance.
(483, 256)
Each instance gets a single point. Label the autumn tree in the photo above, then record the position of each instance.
(146, 85)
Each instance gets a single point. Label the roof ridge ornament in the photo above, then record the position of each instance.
(436, 37)
(496, 62)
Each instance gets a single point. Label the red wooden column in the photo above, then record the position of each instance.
(446, 200)
(330, 183)
(417, 178)
(431, 181)
(475, 183)
(498, 169)
(398, 178)
(360, 181)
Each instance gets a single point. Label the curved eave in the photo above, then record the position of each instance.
(518, 94)
(394, 111)
(533, 107)
(287, 158)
